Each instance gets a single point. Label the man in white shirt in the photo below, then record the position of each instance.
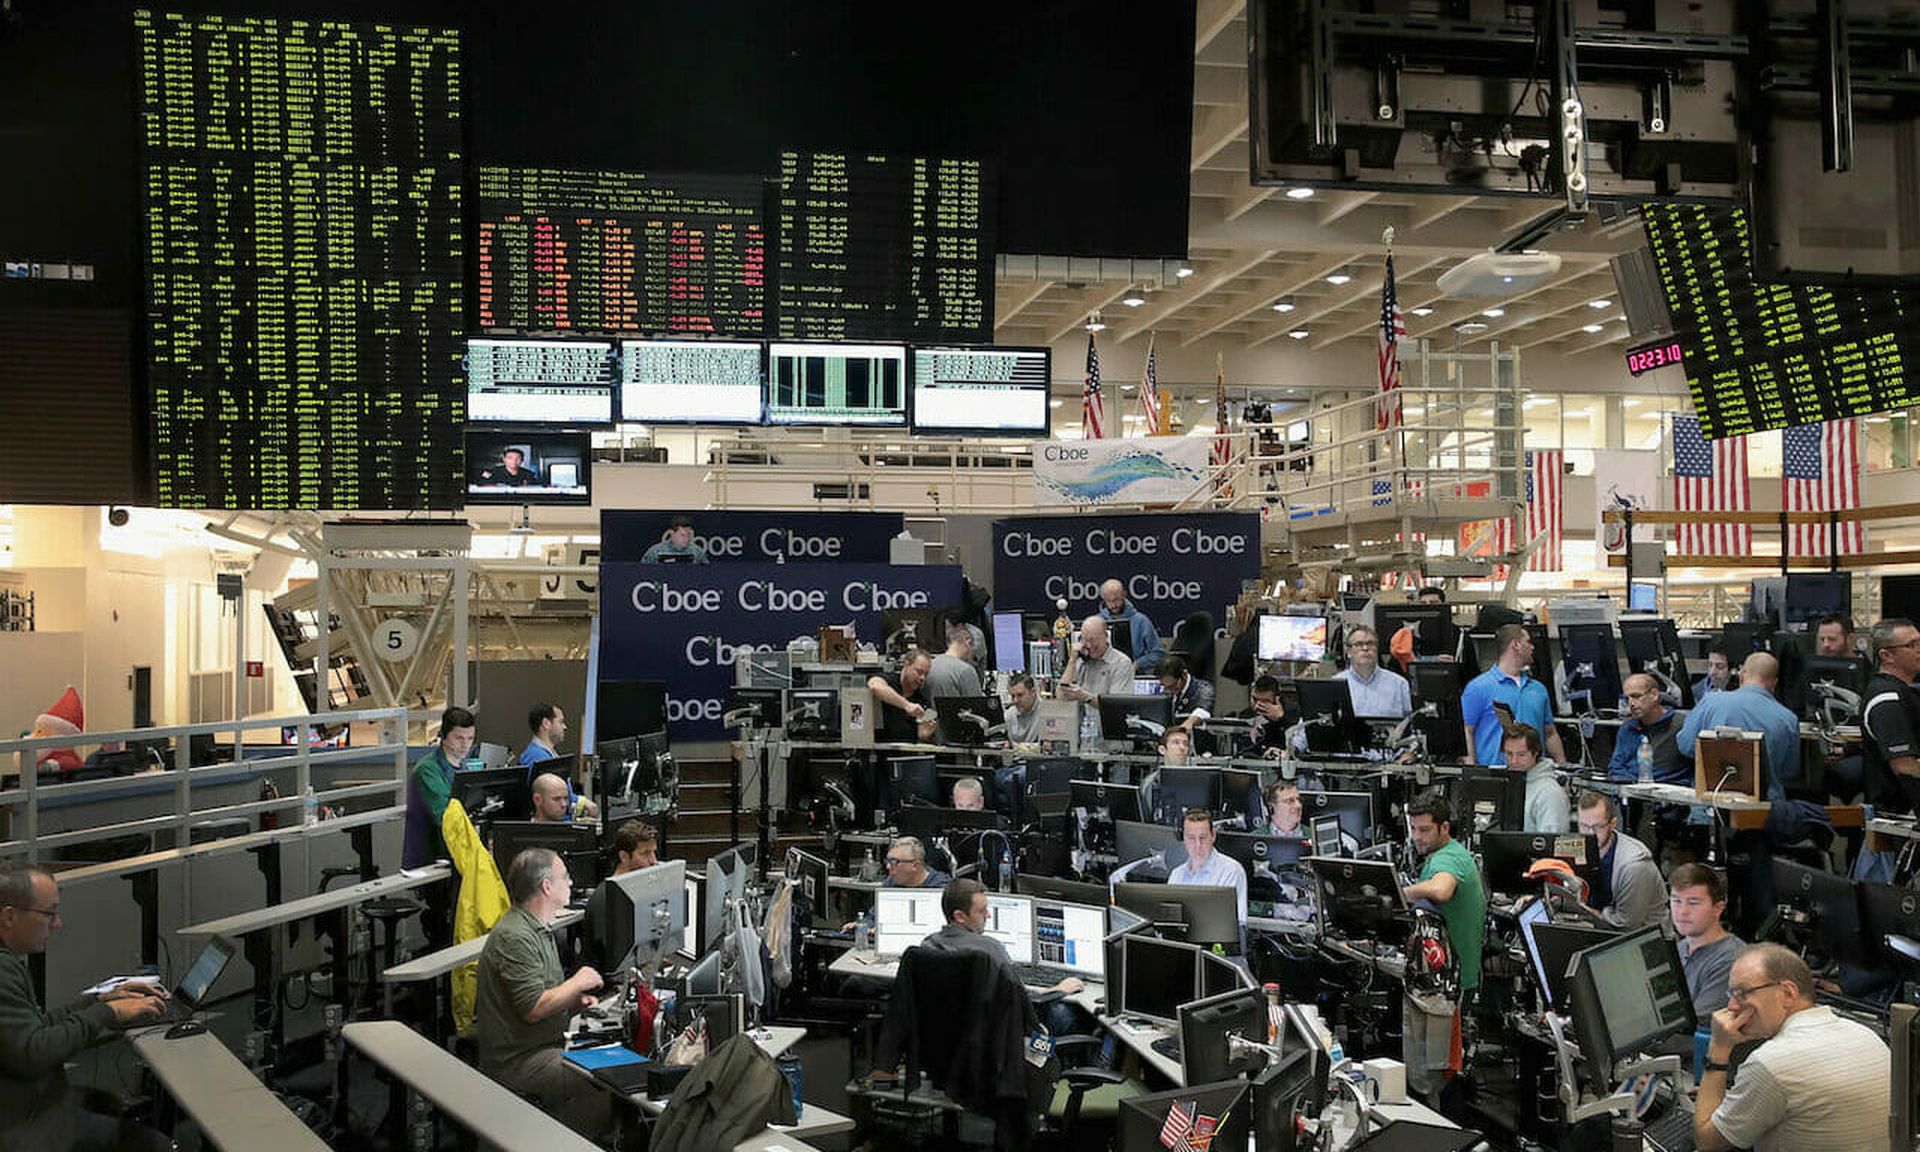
(1377, 692)
(1204, 866)
(1819, 1081)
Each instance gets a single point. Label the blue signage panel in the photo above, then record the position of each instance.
(1171, 565)
(773, 537)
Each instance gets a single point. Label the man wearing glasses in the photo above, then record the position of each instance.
(1378, 693)
(907, 866)
(1891, 721)
(1819, 1081)
(36, 1108)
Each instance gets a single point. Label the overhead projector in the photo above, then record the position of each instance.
(1498, 273)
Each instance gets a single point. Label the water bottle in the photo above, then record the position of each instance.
(1646, 760)
(1006, 870)
(309, 808)
(863, 933)
(790, 1068)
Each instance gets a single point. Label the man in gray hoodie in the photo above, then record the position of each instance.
(1547, 807)
(1631, 892)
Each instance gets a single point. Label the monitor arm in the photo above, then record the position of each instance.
(1837, 705)
(988, 729)
(1621, 1101)
(741, 717)
(1136, 724)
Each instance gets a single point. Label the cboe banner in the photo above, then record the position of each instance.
(1157, 470)
(1171, 565)
(773, 537)
(688, 624)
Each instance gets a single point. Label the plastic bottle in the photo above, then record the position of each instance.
(309, 808)
(1006, 870)
(1273, 1013)
(863, 933)
(1646, 760)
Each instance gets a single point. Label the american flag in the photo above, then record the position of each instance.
(1820, 472)
(1150, 393)
(1545, 473)
(1222, 453)
(1173, 1134)
(1710, 478)
(1393, 325)
(1093, 406)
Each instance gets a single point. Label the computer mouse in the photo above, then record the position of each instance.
(186, 1028)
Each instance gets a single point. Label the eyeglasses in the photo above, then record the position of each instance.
(52, 913)
(1913, 643)
(892, 860)
(1735, 995)
(1352, 644)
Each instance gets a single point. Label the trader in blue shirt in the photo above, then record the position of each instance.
(1146, 642)
(1751, 707)
(1205, 867)
(1508, 682)
(547, 724)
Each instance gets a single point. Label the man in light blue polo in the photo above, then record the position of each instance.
(1752, 708)
(1508, 682)
(1203, 866)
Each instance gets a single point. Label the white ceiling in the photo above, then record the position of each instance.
(1248, 247)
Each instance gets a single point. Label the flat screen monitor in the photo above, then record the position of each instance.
(1354, 810)
(1490, 799)
(577, 844)
(1300, 638)
(1219, 974)
(646, 914)
(1326, 707)
(1156, 977)
(1830, 902)
(1113, 952)
(990, 390)
(1199, 914)
(1208, 1024)
(1542, 665)
(914, 780)
(902, 917)
(1591, 660)
(1220, 1109)
(1653, 646)
(540, 382)
(1890, 910)
(692, 382)
(1627, 994)
(629, 708)
(1066, 891)
(1241, 794)
(1009, 642)
(1505, 858)
(813, 713)
(969, 721)
(837, 384)
(1437, 688)
(691, 940)
(1811, 595)
(1106, 803)
(1900, 596)
(1550, 948)
(494, 793)
(768, 705)
(1848, 673)
(1010, 921)
(529, 466)
(1358, 898)
(1068, 936)
(1183, 788)
(810, 875)
(1434, 634)
(1140, 719)
(1643, 596)
(728, 875)
(1253, 850)
(206, 968)
(1135, 840)
(1119, 635)
(923, 628)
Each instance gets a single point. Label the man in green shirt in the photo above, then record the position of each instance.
(521, 1009)
(430, 785)
(1450, 881)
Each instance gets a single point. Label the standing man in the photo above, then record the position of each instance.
(635, 846)
(1697, 900)
(429, 787)
(1833, 635)
(1378, 692)
(548, 725)
(1510, 682)
(38, 1109)
(523, 1003)
(1450, 880)
(1146, 641)
(1192, 696)
(1751, 707)
(1547, 807)
(1890, 723)
(1095, 669)
(1719, 673)
(1653, 723)
(903, 699)
(678, 547)
(1203, 866)
(1631, 893)
(1819, 1081)
(952, 673)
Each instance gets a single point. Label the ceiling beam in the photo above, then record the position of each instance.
(1218, 126)
(1096, 299)
(1198, 287)
(1018, 304)
(1464, 309)
(1266, 292)
(1337, 209)
(1509, 324)
(1370, 285)
(1213, 17)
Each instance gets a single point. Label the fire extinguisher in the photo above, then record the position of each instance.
(269, 819)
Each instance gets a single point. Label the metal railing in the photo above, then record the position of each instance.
(21, 803)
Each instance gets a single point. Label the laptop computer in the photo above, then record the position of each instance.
(190, 994)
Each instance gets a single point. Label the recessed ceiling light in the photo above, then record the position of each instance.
(1423, 310)
(1495, 313)
(1134, 298)
(1056, 403)
(1469, 327)
(1096, 326)
(1506, 279)
(1284, 304)
(1299, 193)
(1590, 327)
(1299, 333)
(1601, 303)
(1339, 277)
(1182, 272)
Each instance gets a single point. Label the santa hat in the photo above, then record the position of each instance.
(65, 718)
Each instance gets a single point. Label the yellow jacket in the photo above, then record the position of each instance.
(483, 900)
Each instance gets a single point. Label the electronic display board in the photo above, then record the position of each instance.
(826, 383)
(883, 248)
(620, 252)
(300, 217)
(1760, 355)
(692, 382)
(981, 389)
(540, 381)
(1647, 357)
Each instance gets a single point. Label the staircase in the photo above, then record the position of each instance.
(701, 828)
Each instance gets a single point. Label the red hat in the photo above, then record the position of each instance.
(65, 718)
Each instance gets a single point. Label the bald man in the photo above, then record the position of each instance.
(552, 803)
(1752, 708)
(1652, 723)
(1146, 641)
(1096, 668)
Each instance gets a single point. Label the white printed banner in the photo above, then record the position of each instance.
(1160, 470)
(1622, 479)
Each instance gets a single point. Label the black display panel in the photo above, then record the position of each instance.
(540, 381)
(1760, 356)
(692, 382)
(863, 384)
(883, 248)
(990, 390)
(301, 207)
(578, 251)
(529, 466)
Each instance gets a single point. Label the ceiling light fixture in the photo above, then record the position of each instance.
(1181, 273)
(1423, 310)
(1600, 303)
(1299, 193)
(1134, 298)
(1339, 277)
(1494, 313)
(1284, 304)
(1299, 333)
(1470, 327)
(1590, 327)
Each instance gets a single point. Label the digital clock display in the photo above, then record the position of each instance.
(1642, 360)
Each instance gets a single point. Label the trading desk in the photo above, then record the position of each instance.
(871, 966)
(234, 1111)
(1743, 812)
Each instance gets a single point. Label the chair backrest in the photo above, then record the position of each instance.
(943, 999)
(1193, 640)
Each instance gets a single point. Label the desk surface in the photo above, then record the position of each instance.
(848, 963)
(232, 844)
(815, 1119)
(234, 1110)
(259, 920)
(442, 961)
(1140, 1037)
(474, 1101)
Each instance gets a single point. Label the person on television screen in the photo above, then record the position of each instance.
(511, 472)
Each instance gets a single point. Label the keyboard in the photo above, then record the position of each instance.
(1168, 1046)
(1039, 975)
(1673, 1131)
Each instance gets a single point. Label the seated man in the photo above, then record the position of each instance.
(1631, 893)
(969, 795)
(38, 1110)
(1023, 719)
(1204, 866)
(1192, 696)
(1284, 811)
(1650, 724)
(902, 696)
(964, 903)
(554, 803)
(547, 726)
(523, 1003)
(1818, 1081)
(1547, 806)
(1698, 899)
(1270, 734)
(1176, 748)
(635, 846)
(907, 866)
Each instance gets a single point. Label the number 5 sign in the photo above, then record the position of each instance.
(396, 639)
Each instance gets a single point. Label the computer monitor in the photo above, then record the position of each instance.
(1819, 674)
(1643, 596)
(1354, 810)
(494, 793)
(1434, 633)
(1830, 904)
(1490, 799)
(921, 627)
(691, 943)
(769, 705)
(1297, 638)
(1903, 1040)
(1550, 949)
(1113, 949)
(1069, 935)
(1138, 840)
(1139, 719)
(1219, 1109)
(1891, 910)
(914, 780)
(1059, 723)
(1119, 635)
(553, 465)
(813, 714)
(1207, 1026)
(1066, 891)
(624, 708)
(1290, 1087)
(1627, 994)
(1105, 803)
(196, 985)
(810, 875)
(1183, 788)
(1591, 660)
(1331, 725)
(1742, 639)
(645, 914)
(1653, 646)
(1254, 849)
(577, 844)
(1436, 690)
(1156, 977)
(1050, 777)
(1542, 665)
(1241, 794)
(1811, 595)
(728, 875)
(1009, 642)
(1010, 921)
(969, 721)
(902, 917)
(1199, 914)
(1506, 856)
(1219, 974)
(1359, 898)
